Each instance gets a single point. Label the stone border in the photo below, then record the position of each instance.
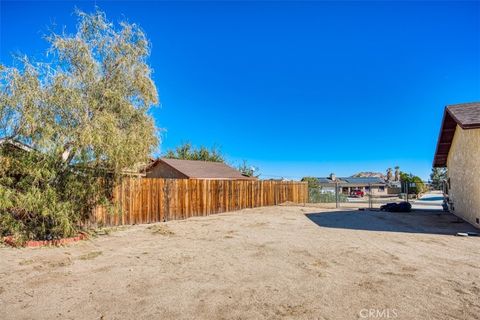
(44, 243)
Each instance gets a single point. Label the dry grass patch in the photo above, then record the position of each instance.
(320, 264)
(90, 256)
(105, 231)
(59, 263)
(161, 229)
(26, 262)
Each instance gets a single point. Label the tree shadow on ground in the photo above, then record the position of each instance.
(417, 221)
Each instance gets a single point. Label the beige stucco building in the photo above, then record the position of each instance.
(458, 149)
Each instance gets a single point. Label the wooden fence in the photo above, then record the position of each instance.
(148, 200)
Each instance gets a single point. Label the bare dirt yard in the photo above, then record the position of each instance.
(281, 262)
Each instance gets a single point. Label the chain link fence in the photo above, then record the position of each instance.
(341, 195)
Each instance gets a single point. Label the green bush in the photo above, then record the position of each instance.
(40, 200)
(316, 195)
(410, 178)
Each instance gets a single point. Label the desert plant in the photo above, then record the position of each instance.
(84, 115)
(186, 151)
(248, 170)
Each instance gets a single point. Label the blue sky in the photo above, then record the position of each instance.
(304, 88)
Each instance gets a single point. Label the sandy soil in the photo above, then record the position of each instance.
(265, 263)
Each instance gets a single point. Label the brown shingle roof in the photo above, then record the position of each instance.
(467, 116)
(195, 169)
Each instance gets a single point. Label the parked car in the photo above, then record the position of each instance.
(357, 193)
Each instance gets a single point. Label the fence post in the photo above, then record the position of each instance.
(370, 202)
(336, 194)
(167, 194)
(406, 184)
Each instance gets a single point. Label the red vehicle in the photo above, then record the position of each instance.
(357, 193)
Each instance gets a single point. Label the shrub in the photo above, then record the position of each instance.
(84, 115)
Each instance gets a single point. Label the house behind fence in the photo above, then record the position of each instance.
(192, 169)
(373, 185)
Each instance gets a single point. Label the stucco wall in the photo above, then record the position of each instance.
(375, 189)
(464, 172)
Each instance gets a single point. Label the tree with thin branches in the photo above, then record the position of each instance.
(83, 111)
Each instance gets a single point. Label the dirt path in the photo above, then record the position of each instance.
(266, 263)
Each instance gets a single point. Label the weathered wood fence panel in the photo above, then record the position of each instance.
(150, 200)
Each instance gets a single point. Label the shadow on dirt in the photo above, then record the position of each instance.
(417, 221)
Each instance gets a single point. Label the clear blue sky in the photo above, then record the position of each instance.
(295, 88)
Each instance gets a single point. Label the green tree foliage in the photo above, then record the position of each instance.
(312, 182)
(437, 177)
(84, 111)
(187, 152)
(248, 170)
(316, 193)
(410, 178)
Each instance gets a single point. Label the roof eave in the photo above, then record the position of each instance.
(436, 161)
(441, 156)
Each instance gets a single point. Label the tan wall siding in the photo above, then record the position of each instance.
(375, 189)
(464, 172)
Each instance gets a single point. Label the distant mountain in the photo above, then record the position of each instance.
(369, 174)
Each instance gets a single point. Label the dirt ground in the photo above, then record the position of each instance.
(266, 263)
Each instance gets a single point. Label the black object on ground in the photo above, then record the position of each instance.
(397, 207)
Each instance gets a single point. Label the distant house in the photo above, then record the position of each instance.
(458, 149)
(193, 169)
(373, 185)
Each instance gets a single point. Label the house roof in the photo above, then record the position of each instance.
(465, 115)
(195, 169)
(364, 180)
(354, 180)
(325, 180)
